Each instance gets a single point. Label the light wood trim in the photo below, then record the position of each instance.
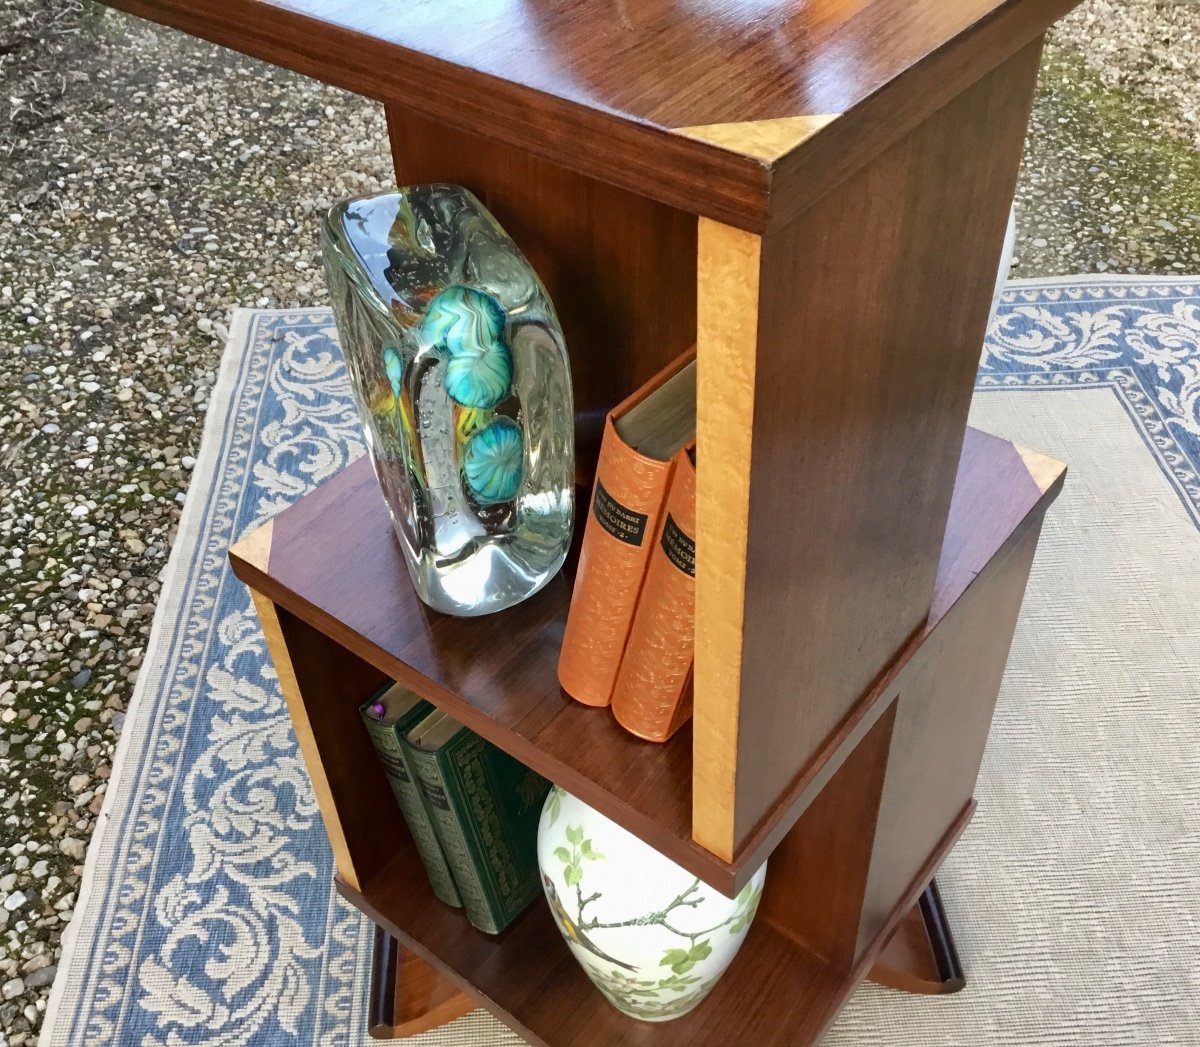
(1043, 469)
(290, 686)
(255, 547)
(726, 349)
(765, 140)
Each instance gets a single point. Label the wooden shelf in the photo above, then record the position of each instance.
(332, 561)
(527, 978)
(738, 111)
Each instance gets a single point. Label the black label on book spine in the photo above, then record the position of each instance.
(435, 794)
(623, 524)
(395, 766)
(680, 549)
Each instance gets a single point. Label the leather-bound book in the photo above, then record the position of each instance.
(389, 715)
(641, 437)
(653, 696)
(484, 805)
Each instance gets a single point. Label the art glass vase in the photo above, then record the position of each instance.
(652, 937)
(459, 369)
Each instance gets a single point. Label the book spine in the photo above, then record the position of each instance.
(500, 801)
(447, 823)
(408, 797)
(653, 693)
(626, 502)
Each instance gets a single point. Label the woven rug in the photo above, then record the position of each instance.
(208, 915)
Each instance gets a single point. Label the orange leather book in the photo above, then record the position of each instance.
(653, 696)
(641, 437)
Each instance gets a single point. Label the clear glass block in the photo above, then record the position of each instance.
(458, 365)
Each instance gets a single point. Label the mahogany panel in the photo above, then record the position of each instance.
(333, 561)
(620, 268)
(819, 902)
(643, 95)
(872, 308)
(944, 712)
(987, 523)
(527, 978)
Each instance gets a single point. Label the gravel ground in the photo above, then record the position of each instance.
(1105, 186)
(149, 183)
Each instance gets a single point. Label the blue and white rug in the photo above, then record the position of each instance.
(208, 915)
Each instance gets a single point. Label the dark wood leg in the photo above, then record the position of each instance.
(921, 956)
(407, 995)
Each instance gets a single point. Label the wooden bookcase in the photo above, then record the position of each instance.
(815, 194)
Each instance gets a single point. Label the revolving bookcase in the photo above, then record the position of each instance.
(815, 195)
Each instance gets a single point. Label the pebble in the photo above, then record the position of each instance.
(73, 848)
(42, 977)
(12, 988)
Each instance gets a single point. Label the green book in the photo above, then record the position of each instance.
(485, 807)
(402, 710)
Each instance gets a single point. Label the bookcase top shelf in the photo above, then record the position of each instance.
(333, 561)
(740, 110)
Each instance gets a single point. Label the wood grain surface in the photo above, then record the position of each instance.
(871, 308)
(921, 956)
(620, 268)
(643, 95)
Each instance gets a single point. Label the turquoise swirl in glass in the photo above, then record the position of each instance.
(457, 362)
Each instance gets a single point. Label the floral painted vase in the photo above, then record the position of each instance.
(457, 362)
(652, 937)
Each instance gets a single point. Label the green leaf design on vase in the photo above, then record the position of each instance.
(554, 803)
(683, 960)
(747, 902)
(589, 852)
(653, 955)
(647, 997)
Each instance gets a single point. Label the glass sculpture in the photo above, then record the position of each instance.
(458, 366)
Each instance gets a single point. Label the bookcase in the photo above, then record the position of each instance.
(815, 195)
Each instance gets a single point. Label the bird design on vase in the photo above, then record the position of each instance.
(571, 929)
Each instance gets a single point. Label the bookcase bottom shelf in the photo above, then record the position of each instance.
(778, 990)
(408, 996)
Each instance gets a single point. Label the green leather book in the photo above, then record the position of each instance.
(389, 714)
(485, 807)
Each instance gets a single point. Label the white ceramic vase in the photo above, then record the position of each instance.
(652, 937)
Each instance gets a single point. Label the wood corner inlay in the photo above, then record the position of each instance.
(290, 686)
(1043, 469)
(765, 140)
(255, 548)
